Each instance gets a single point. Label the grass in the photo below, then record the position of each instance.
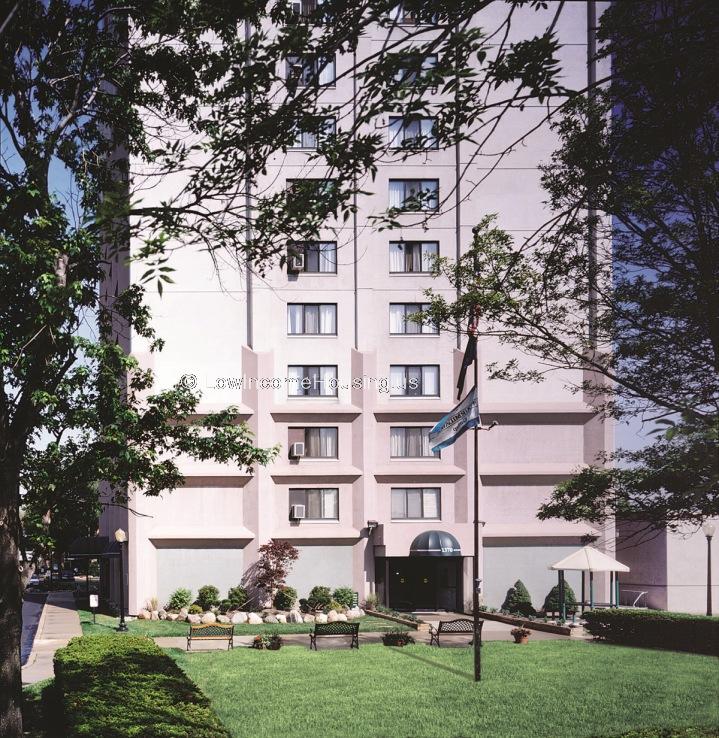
(546, 689)
(159, 628)
(40, 710)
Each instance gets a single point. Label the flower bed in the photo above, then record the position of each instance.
(396, 617)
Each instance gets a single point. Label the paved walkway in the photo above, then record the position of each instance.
(59, 623)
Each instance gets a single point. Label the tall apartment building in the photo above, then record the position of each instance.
(373, 496)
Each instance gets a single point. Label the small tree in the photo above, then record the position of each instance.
(518, 599)
(180, 598)
(274, 565)
(237, 597)
(552, 603)
(344, 595)
(285, 598)
(208, 597)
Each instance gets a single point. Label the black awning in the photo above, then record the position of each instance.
(435, 543)
(92, 547)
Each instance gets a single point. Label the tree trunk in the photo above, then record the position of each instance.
(10, 613)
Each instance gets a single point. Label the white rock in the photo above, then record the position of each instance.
(173, 616)
(309, 619)
(270, 618)
(354, 612)
(254, 619)
(143, 615)
(341, 617)
(162, 615)
(223, 619)
(208, 618)
(194, 619)
(321, 618)
(238, 617)
(281, 617)
(295, 616)
(155, 615)
(182, 614)
(332, 616)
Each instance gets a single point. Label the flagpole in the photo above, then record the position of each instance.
(475, 557)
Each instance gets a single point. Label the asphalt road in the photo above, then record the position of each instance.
(31, 611)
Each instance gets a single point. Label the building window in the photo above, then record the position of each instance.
(400, 319)
(312, 381)
(410, 443)
(311, 190)
(412, 132)
(305, 8)
(414, 380)
(310, 319)
(303, 71)
(315, 134)
(320, 504)
(413, 68)
(412, 16)
(321, 443)
(416, 504)
(320, 256)
(414, 194)
(412, 256)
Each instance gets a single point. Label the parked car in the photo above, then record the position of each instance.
(68, 575)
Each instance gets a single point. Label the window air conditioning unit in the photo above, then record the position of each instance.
(297, 450)
(295, 262)
(297, 512)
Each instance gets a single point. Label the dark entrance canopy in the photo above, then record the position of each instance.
(435, 543)
(93, 547)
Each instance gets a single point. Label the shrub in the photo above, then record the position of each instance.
(225, 606)
(270, 641)
(656, 629)
(397, 637)
(371, 602)
(551, 603)
(237, 597)
(334, 605)
(179, 598)
(344, 595)
(92, 672)
(208, 597)
(518, 600)
(319, 598)
(285, 598)
(195, 610)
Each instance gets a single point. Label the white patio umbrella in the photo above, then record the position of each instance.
(592, 560)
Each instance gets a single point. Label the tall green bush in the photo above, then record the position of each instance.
(319, 598)
(518, 600)
(285, 598)
(237, 597)
(112, 686)
(208, 597)
(344, 595)
(551, 602)
(180, 598)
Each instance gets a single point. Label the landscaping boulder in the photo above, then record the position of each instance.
(238, 617)
(295, 616)
(321, 618)
(341, 617)
(281, 617)
(354, 612)
(172, 616)
(182, 615)
(223, 619)
(162, 615)
(254, 619)
(208, 618)
(194, 619)
(308, 619)
(332, 616)
(271, 619)
(155, 615)
(143, 615)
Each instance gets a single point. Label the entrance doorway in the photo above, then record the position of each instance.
(425, 583)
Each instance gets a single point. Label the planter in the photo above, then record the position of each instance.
(397, 639)
(521, 639)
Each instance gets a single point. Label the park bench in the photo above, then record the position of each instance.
(211, 632)
(340, 628)
(461, 626)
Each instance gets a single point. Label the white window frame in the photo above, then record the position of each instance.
(422, 490)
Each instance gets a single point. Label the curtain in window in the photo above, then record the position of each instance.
(327, 256)
(312, 380)
(294, 319)
(414, 442)
(430, 380)
(414, 503)
(314, 504)
(295, 374)
(430, 194)
(429, 251)
(427, 131)
(396, 256)
(425, 443)
(411, 326)
(399, 507)
(327, 71)
(395, 132)
(326, 374)
(330, 507)
(414, 381)
(328, 442)
(312, 319)
(396, 318)
(396, 380)
(312, 441)
(396, 442)
(396, 193)
(430, 498)
(328, 319)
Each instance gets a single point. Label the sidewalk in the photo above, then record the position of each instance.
(59, 623)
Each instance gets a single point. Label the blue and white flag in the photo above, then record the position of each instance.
(456, 422)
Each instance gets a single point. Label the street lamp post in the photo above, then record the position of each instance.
(121, 537)
(709, 529)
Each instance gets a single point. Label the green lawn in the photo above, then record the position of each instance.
(156, 628)
(547, 689)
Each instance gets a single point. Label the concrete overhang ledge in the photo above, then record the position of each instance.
(194, 533)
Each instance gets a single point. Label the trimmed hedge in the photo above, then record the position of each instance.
(121, 686)
(656, 629)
